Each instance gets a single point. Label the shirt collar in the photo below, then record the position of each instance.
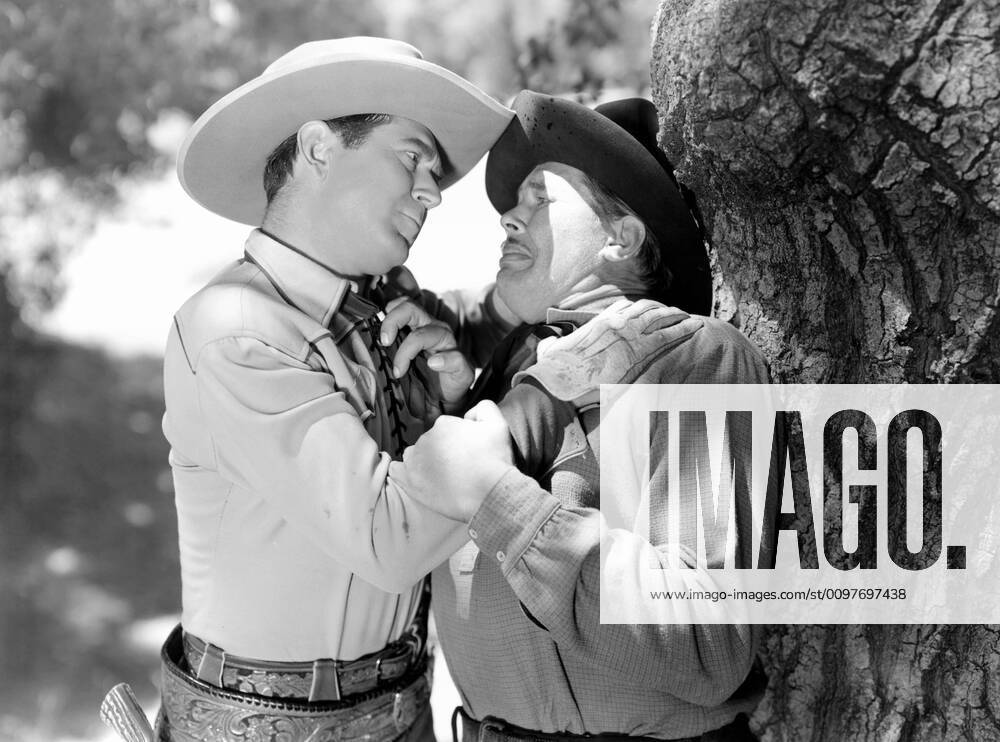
(584, 307)
(304, 283)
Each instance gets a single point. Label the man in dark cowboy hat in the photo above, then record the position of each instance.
(596, 226)
(304, 611)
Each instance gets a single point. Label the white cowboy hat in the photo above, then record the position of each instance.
(221, 162)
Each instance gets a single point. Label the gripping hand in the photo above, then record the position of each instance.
(613, 348)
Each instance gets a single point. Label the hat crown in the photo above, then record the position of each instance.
(638, 117)
(324, 49)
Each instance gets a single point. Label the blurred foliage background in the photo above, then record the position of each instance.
(94, 93)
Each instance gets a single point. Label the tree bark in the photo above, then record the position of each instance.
(847, 162)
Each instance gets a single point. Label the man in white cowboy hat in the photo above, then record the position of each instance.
(596, 226)
(304, 609)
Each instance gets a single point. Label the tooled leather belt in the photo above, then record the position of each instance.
(319, 680)
(196, 711)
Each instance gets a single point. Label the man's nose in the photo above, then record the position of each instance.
(511, 221)
(426, 190)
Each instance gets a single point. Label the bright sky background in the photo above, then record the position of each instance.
(142, 261)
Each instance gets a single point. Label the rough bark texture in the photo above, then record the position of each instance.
(847, 159)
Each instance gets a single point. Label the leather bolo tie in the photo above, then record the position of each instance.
(367, 321)
(364, 315)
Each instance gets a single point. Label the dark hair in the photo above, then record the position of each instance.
(653, 271)
(353, 131)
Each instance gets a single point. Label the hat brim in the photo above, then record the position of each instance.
(221, 162)
(548, 129)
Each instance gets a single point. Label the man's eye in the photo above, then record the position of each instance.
(413, 157)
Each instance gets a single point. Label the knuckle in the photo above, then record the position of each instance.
(398, 302)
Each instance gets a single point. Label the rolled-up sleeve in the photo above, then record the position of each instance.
(283, 430)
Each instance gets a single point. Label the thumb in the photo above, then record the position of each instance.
(486, 412)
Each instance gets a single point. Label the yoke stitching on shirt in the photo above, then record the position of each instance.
(300, 355)
(261, 271)
(245, 286)
(201, 410)
(301, 360)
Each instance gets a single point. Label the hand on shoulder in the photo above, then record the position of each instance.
(609, 348)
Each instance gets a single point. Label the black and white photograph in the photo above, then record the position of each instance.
(500, 370)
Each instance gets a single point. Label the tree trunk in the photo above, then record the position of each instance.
(847, 162)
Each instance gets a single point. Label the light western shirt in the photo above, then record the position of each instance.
(295, 544)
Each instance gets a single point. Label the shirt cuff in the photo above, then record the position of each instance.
(510, 516)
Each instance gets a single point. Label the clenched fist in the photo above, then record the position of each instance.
(454, 465)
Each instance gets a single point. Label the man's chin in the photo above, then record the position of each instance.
(514, 297)
(391, 258)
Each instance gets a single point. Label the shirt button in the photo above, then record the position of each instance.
(501, 556)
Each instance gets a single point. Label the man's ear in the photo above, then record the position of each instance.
(626, 235)
(314, 142)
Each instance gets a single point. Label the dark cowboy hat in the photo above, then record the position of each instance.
(615, 144)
